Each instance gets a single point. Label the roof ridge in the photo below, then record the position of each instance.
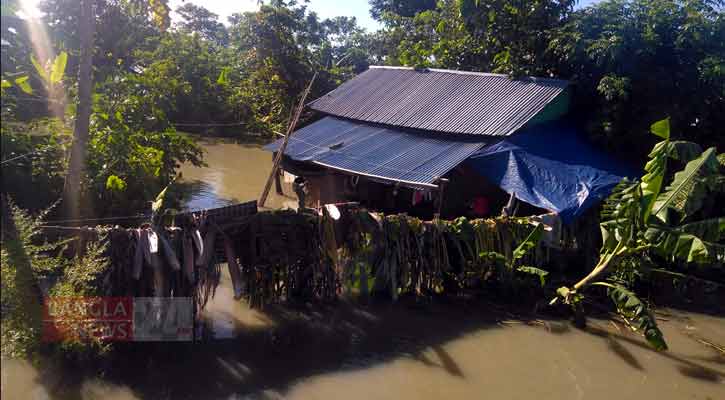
(475, 73)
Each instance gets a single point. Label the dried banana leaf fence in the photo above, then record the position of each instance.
(291, 256)
(276, 256)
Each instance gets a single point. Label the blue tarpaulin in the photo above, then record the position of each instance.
(551, 167)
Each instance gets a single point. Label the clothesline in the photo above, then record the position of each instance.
(137, 216)
(207, 124)
(20, 156)
(29, 154)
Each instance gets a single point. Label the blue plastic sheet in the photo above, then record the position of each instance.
(551, 167)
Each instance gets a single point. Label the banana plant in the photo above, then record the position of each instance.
(508, 266)
(644, 216)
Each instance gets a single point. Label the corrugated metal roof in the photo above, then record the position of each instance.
(441, 100)
(415, 159)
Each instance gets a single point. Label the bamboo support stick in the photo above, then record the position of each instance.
(280, 151)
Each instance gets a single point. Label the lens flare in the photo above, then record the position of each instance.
(44, 53)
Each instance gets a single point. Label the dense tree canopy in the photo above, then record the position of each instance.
(199, 19)
(630, 62)
(150, 83)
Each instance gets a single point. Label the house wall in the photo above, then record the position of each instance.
(325, 189)
(556, 109)
(464, 185)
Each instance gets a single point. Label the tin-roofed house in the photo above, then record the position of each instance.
(398, 139)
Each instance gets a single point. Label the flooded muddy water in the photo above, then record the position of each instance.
(458, 349)
(402, 351)
(236, 172)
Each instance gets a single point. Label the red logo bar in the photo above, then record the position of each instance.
(86, 318)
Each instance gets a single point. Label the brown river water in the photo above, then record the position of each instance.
(460, 349)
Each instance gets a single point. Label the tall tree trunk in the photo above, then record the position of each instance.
(72, 189)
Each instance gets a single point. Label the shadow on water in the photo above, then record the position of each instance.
(624, 354)
(701, 373)
(457, 349)
(686, 367)
(302, 341)
(449, 364)
(277, 348)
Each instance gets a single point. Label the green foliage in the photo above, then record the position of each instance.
(159, 10)
(115, 183)
(127, 168)
(58, 68)
(504, 29)
(667, 52)
(629, 231)
(542, 274)
(196, 19)
(51, 73)
(84, 274)
(529, 243)
(507, 265)
(696, 242)
(23, 262)
(23, 84)
(404, 8)
(157, 205)
(636, 314)
(629, 60)
(685, 194)
(34, 181)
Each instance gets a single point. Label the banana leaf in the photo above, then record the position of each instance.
(695, 242)
(688, 189)
(529, 243)
(636, 313)
(540, 273)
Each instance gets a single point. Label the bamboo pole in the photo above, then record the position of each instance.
(280, 151)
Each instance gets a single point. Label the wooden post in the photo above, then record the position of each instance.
(280, 151)
(278, 183)
(441, 191)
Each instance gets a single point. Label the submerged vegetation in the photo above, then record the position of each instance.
(155, 84)
(673, 223)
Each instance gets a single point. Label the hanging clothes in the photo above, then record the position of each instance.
(142, 254)
(198, 242)
(169, 253)
(418, 197)
(188, 249)
(208, 249)
(234, 271)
